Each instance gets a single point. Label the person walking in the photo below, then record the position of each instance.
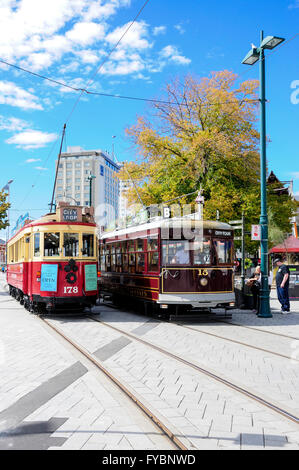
(282, 285)
(255, 286)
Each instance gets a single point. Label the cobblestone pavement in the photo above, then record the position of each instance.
(51, 400)
(83, 412)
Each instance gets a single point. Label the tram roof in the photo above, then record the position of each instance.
(168, 223)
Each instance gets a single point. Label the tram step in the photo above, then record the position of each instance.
(201, 317)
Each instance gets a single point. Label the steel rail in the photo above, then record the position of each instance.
(166, 431)
(257, 329)
(225, 338)
(272, 406)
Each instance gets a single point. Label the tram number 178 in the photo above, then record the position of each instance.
(70, 290)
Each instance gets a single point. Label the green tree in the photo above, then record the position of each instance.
(204, 136)
(4, 206)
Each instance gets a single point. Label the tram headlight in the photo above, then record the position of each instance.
(203, 281)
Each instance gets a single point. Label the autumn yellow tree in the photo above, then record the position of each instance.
(202, 133)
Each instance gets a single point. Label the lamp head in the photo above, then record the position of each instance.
(270, 42)
(252, 57)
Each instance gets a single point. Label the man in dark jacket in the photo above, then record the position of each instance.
(282, 284)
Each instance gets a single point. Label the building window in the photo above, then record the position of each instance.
(69, 173)
(78, 172)
(77, 188)
(102, 170)
(86, 164)
(69, 165)
(78, 164)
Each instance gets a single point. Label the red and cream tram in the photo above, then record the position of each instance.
(174, 264)
(52, 262)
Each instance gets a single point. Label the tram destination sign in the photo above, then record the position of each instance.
(70, 215)
(223, 233)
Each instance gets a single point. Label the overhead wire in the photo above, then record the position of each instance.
(89, 92)
(92, 78)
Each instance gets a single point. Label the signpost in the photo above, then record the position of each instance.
(240, 225)
(256, 232)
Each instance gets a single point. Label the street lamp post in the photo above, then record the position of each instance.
(258, 54)
(90, 178)
(6, 188)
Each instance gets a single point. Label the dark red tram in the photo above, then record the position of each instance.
(174, 264)
(52, 262)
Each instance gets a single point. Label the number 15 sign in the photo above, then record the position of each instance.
(256, 232)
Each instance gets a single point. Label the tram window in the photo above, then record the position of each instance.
(125, 263)
(140, 262)
(175, 252)
(132, 259)
(201, 251)
(224, 251)
(37, 244)
(139, 244)
(152, 244)
(131, 245)
(70, 244)
(124, 247)
(51, 244)
(87, 242)
(153, 261)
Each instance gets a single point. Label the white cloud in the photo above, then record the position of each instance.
(32, 160)
(136, 37)
(180, 28)
(12, 124)
(67, 36)
(86, 33)
(13, 95)
(41, 168)
(172, 53)
(31, 139)
(159, 30)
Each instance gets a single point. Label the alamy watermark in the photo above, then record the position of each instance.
(295, 93)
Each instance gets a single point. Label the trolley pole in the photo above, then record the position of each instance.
(90, 178)
(243, 253)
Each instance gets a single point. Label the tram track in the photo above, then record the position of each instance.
(257, 329)
(225, 338)
(274, 407)
(171, 434)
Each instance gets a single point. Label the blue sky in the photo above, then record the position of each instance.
(67, 40)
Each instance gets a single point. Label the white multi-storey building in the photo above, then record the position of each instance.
(73, 185)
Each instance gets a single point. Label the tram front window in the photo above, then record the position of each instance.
(87, 241)
(201, 251)
(175, 252)
(224, 251)
(71, 244)
(51, 244)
